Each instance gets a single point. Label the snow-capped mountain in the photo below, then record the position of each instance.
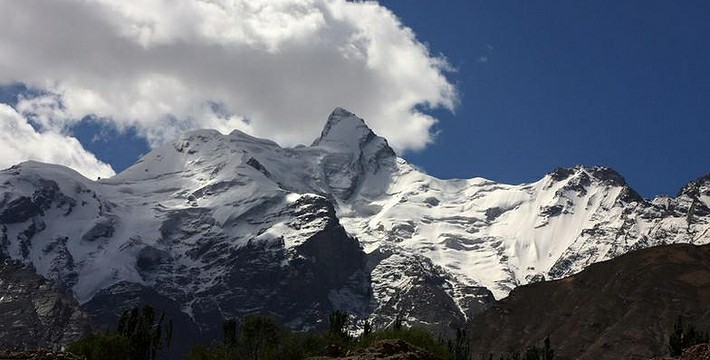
(219, 225)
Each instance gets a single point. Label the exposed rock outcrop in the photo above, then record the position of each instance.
(34, 313)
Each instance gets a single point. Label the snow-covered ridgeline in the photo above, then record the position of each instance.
(171, 220)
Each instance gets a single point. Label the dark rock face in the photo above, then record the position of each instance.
(106, 308)
(34, 313)
(605, 175)
(292, 285)
(608, 175)
(696, 187)
(103, 228)
(561, 173)
(621, 308)
(150, 259)
(426, 300)
(27, 207)
(19, 210)
(695, 190)
(257, 166)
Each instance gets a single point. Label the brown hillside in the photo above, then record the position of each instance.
(619, 309)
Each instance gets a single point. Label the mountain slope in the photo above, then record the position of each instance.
(213, 225)
(621, 308)
(35, 314)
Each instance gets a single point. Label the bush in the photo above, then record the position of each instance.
(262, 338)
(102, 346)
(460, 348)
(415, 336)
(215, 352)
(146, 334)
(259, 337)
(681, 339)
(531, 353)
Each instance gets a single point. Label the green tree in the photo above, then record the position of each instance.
(367, 328)
(532, 353)
(675, 342)
(414, 335)
(259, 337)
(681, 339)
(102, 346)
(338, 322)
(460, 348)
(693, 337)
(336, 338)
(229, 332)
(146, 335)
(397, 324)
(547, 352)
(214, 352)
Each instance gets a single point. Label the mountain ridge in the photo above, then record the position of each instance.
(178, 221)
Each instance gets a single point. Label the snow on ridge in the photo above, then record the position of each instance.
(237, 187)
(501, 236)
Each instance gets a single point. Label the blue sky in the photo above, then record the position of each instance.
(539, 84)
(624, 84)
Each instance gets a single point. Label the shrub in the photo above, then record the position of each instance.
(415, 336)
(102, 346)
(215, 352)
(145, 335)
(681, 339)
(259, 337)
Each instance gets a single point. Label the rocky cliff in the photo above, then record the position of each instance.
(35, 313)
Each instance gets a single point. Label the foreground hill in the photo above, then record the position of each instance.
(621, 308)
(216, 226)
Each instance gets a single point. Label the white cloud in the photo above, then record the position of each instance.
(20, 142)
(272, 68)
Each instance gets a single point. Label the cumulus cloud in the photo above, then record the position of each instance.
(19, 142)
(272, 68)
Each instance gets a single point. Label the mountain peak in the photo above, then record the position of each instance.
(345, 130)
(602, 173)
(581, 177)
(696, 187)
(340, 112)
(353, 150)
